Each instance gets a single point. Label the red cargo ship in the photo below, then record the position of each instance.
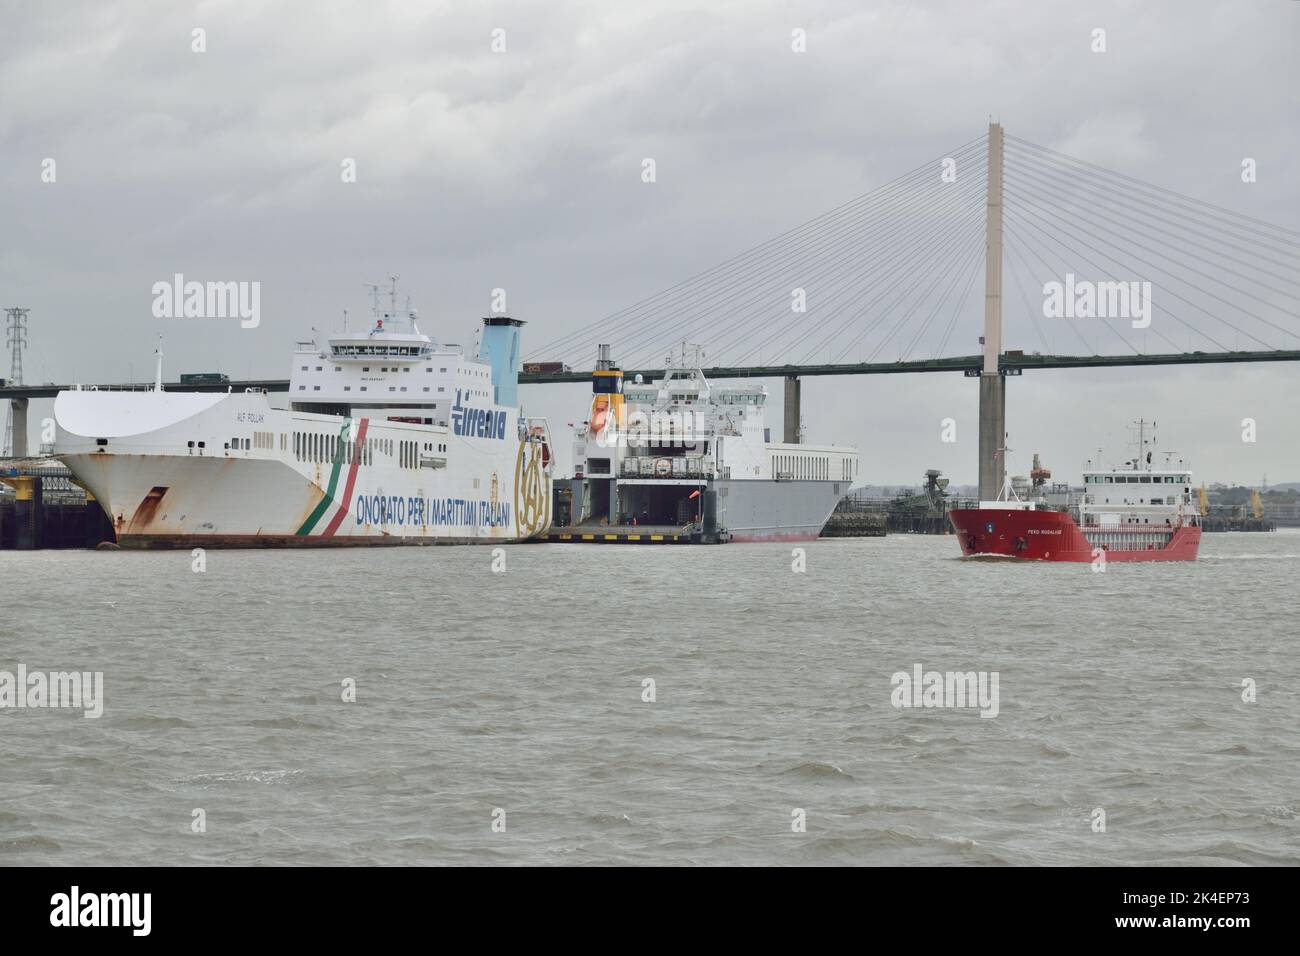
(1131, 514)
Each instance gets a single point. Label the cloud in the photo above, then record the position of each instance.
(521, 170)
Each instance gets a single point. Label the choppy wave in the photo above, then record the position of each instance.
(482, 696)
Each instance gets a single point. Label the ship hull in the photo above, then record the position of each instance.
(763, 510)
(730, 510)
(1033, 535)
(183, 470)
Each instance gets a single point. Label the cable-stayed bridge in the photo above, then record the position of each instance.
(889, 276)
(1083, 267)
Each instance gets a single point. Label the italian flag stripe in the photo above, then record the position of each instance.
(352, 480)
(326, 501)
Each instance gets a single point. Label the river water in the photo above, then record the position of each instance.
(516, 697)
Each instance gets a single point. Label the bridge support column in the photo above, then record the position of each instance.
(18, 416)
(993, 430)
(793, 410)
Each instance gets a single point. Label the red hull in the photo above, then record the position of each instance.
(1053, 536)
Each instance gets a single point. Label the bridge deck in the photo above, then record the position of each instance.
(1011, 363)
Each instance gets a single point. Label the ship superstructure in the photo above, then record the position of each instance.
(682, 453)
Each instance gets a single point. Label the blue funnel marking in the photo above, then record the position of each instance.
(500, 348)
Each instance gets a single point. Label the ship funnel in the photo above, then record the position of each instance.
(607, 395)
(499, 347)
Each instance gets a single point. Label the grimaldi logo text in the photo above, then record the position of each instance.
(81, 690)
(922, 688)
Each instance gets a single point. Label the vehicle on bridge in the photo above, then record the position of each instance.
(204, 378)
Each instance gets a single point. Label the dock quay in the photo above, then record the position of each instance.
(855, 524)
(623, 534)
(1215, 522)
(42, 507)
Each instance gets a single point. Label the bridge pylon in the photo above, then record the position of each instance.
(993, 386)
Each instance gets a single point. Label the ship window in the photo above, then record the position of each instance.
(315, 388)
(363, 388)
(338, 368)
(304, 368)
(318, 368)
(407, 369)
(347, 388)
(426, 388)
(365, 368)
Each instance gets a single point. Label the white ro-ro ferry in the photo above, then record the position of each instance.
(389, 438)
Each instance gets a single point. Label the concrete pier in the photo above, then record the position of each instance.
(992, 437)
(793, 410)
(18, 410)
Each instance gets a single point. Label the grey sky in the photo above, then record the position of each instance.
(521, 170)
